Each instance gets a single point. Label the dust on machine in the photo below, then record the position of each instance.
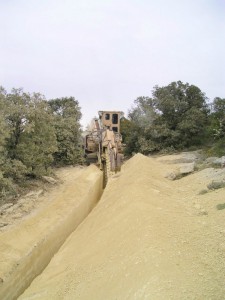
(103, 142)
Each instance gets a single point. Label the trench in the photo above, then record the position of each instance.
(144, 240)
(27, 249)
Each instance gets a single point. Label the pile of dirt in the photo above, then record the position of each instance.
(148, 238)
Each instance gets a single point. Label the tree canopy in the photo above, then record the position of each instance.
(36, 134)
(174, 117)
(67, 115)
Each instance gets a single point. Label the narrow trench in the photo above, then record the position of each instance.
(29, 267)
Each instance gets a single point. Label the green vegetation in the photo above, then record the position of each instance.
(215, 185)
(203, 192)
(67, 115)
(35, 134)
(176, 117)
(220, 206)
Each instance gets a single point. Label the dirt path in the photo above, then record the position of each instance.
(148, 238)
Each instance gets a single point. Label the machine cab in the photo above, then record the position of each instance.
(110, 120)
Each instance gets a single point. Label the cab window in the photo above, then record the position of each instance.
(107, 116)
(115, 118)
(115, 129)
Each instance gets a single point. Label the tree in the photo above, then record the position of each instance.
(175, 117)
(6, 184)
(67, 117)
(178, 100)
(129, 131)
(3, 126)
(144, 113)
(34, 133)
(219, 108)
(37, 142)
(17, 105)
(32, 140)
(218, 118)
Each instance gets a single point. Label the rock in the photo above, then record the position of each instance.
(10, 209)
(211, 160)
(187, 168)
(171, 176)
(223, 161)
(220, 161)
(5, 206)
(34, 194)
(203, 212)
(17, 216)
(49, 179)
(2, 224)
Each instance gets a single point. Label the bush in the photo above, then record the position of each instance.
(220, 206)
(7, 187)
(217, 149)
(215, 185)
(15, 169)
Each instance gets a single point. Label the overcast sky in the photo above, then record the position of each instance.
(106, 53)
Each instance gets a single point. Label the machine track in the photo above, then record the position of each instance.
(109, 165)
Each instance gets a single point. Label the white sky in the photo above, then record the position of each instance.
(106, 53)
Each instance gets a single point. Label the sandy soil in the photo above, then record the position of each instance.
(35, 200)
(148, 238)
(29, 243)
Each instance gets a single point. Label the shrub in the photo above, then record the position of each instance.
(15, 169)
(7, 187)
(220, 206)
(214, 185)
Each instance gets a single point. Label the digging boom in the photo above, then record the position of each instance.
(103, 143)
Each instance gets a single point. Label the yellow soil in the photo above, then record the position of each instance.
(27, 246)
(36, 200)
(148, 238)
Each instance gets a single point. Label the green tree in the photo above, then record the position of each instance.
(129, 131)
(32, 140)
(3, 125)
(67, 117)
(6, 184)
(17, 105)
(218, 118)
(176, 100)
(144, 113)
(37, 143)
(175, 117)
(219, 107)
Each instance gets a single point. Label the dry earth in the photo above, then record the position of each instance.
(29, 242)
(11, 214)
(147, 238)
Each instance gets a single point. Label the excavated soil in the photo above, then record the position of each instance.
(29, 242)
(37, 199)
(147, 238)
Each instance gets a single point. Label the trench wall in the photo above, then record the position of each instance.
(28, 248)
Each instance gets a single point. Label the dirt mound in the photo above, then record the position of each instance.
(148, 238)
